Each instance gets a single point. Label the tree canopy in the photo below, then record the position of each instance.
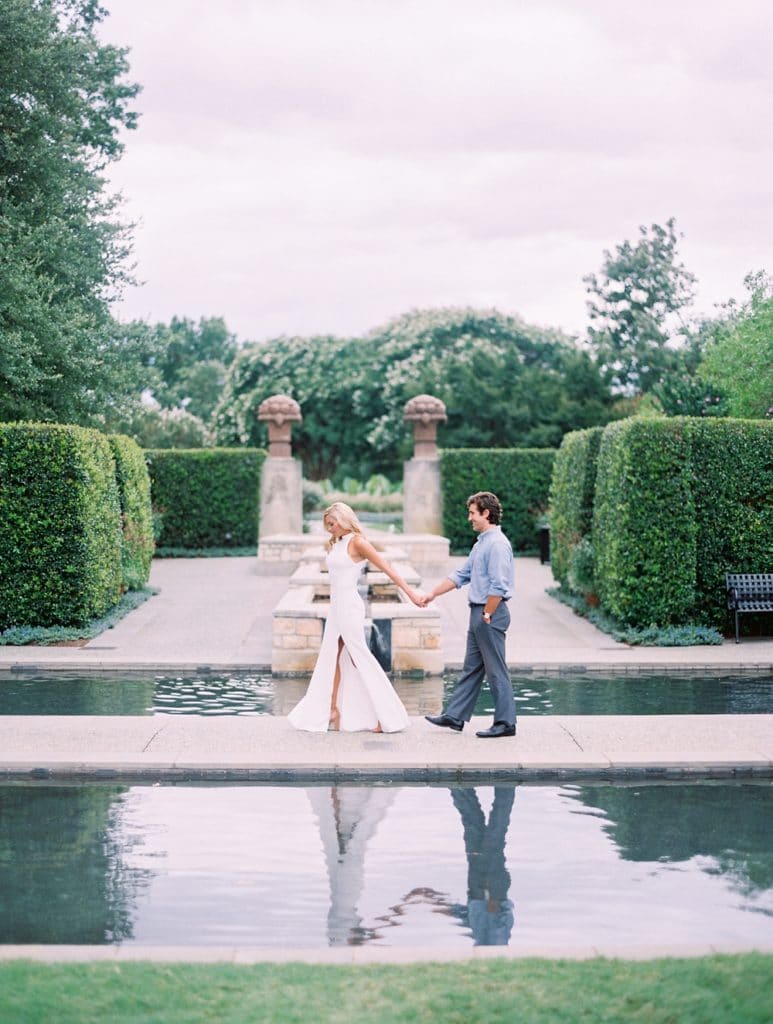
(634, 308)
(190, 360)
(504, 383)
(63, 100)
(739, 360)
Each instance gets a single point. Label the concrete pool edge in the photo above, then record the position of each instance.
(269, 750)
(363, 955)
(130, 775)
(519, 669)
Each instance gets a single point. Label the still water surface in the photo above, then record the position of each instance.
(244, 694)
(344, 865)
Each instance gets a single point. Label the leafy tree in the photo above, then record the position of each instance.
(684, 394)
(680, 391)
(635, 306)
(153, 427)
(192, 360)
(740, 358)
(321, 373)
(63, 101)
(504, 383)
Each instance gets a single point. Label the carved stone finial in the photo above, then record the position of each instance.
(425, 412)
(279, 411)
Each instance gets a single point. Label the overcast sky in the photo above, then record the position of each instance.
(322, 166)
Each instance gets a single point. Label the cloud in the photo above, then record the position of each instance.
(319, 167)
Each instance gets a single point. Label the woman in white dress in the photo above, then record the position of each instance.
(348, 689)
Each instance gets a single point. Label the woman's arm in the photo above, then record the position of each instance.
(361, 546)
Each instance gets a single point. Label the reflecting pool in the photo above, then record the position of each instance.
(249, 694)
(423, 866)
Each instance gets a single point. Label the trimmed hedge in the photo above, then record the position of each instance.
(131, 474)
(644, 528)
(206, 497)
(571, 496)
(520, 478)
(732, 485)
(680, 502)
(60, 526)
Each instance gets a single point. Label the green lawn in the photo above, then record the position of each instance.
(727, 989)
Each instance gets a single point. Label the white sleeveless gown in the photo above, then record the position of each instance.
(365, 695)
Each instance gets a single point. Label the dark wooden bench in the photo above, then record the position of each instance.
(749, 592)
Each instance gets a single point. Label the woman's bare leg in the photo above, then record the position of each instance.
(335, 712)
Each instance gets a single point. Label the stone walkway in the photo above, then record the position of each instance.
(216, 613)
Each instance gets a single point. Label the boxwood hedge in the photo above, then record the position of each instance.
(732, 486)
(206, 497)
(644, 527)
(520, 477)
(571, 496)
(136, 516)
(680, 502)
(60, 526)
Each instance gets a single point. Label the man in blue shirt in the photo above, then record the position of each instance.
(489, 572)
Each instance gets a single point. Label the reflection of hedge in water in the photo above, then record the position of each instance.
(57, 695)
(728, 822)
(632, 696)
(62, 878)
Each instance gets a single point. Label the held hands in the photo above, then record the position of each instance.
(420, 600)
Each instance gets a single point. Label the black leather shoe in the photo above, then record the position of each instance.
(444, 720)
(497, 729)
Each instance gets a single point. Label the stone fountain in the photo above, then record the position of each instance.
(406, 639)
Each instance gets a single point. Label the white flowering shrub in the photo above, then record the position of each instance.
(505, 383)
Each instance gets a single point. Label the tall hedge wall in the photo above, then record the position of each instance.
(680, 502)
(644, 528)
(732, 486)
(520, 477)
(131, 474)
(60, 526)
(206, 497)
(571, 496)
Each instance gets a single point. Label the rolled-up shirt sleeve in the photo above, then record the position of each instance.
(462, 575)
(500, 570)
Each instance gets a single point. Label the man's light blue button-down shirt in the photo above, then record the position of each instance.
(489, 569)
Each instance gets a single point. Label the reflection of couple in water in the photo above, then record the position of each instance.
(350, 691)
(489, 910)
(349, 817)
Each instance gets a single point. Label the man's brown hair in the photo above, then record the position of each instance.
(486, 501)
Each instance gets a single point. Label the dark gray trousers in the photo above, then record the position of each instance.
(484, 658)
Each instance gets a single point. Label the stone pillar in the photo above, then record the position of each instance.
(422, 499)
(281, 481)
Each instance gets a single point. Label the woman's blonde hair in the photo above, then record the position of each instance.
(345, 516)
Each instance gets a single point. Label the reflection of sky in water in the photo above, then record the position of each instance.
(246, 694)
(287, 866)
